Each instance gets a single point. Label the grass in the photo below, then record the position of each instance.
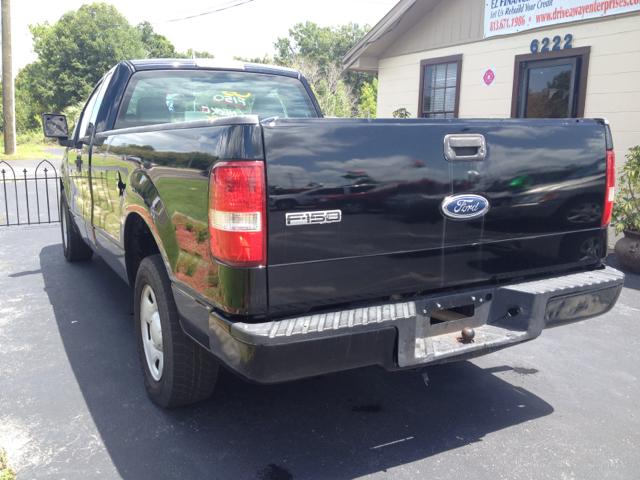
(202, 232)
(188, 264)
(30, 146)
(5, 472)
(188, 196)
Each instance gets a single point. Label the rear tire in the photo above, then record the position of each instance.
(176, 370)
(73, 246)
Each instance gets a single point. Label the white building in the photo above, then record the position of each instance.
(489, 59)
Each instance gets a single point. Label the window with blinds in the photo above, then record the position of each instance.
(440, 87)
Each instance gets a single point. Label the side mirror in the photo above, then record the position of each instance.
(55, 126)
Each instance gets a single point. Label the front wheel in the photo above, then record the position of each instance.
(177, 371)
(73, 246)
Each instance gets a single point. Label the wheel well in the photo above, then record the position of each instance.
(138, 243)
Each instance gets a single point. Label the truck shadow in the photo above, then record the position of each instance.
(339, 426)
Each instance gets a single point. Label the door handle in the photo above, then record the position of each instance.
(465, 147)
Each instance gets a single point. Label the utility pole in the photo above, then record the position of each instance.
(8, 104)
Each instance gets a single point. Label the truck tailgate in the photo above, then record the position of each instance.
(544, 181)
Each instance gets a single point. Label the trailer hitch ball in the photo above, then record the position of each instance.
(468, 334)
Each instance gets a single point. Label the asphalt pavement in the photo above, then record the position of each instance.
(73, 405)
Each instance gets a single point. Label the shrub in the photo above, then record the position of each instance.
(626, 209)
(201, 233)
(188, 264)
(401, 113)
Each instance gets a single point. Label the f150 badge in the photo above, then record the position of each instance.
(308, 218)
(464, 207)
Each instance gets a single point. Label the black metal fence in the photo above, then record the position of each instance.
(29, 198)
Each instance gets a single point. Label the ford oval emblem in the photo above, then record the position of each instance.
(464, 207)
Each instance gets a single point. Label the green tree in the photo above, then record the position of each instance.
(334, 95)
(156, 45)
(76, 51)
(368, 99)
(322, 44)
(26, 118)
(336, 101)
(325, 45)
(191, 53)
(266, 60)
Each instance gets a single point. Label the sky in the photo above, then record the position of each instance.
(248, 30)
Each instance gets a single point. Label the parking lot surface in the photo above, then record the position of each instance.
(73, 405)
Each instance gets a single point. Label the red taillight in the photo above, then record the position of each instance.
(610, 192)
(237, 213)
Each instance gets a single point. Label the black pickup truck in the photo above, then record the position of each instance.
(261, 236)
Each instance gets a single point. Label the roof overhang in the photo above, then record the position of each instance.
(364, 55)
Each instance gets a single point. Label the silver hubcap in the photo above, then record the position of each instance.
(151, 332)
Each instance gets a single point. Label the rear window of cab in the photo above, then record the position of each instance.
(154, 97)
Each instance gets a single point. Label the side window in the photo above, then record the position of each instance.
(92, 108)
(86, 114)
(100, 97)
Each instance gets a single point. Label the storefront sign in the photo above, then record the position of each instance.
(502, 17)
(489, 77)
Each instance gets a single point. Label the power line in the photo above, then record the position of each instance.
(223, 6)
(218, 8)
(202, 6)
(378, 2)
(206, 13)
